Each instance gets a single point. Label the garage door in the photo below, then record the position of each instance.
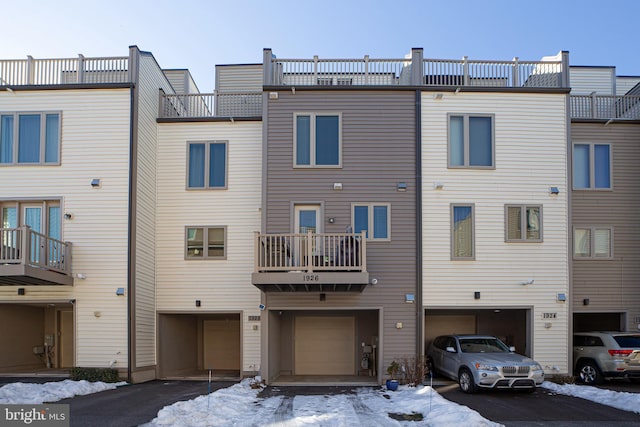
(324, 345)
(222, 344)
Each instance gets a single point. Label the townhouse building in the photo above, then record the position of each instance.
(605, 130)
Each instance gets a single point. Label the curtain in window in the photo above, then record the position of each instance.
(380, 216)
(52, 132)
(195, 242)
(6, 139)
(29, 138)
(480, 151)
(581, 174)
(327, 140)
(582, 242)
(10, 220)
(217, 165)
(303, 140)
(361, 219)
(601, 168)
(533, 223)
(215, 237)
(514, 223)
(456, 141)
(33, 218)
(602, 243)
(196, 165)
(462, 232)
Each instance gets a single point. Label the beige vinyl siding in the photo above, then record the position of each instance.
(530, 156)
(181, 81)
(611, 285)
(94, 144)
(239, 78)
(221, 285)
(626, 83)
(585, 80)
(378, 151)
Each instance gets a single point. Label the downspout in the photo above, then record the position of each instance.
(418, 166)
(569, 183)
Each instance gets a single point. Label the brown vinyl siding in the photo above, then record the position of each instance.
(378, 151)
(611, 285)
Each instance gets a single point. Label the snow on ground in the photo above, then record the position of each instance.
(617, 399)
(239, 405)
(31, 393)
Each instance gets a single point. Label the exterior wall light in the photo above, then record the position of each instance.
(402, 186)
(95, 183)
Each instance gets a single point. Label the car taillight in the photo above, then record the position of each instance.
(620, 353)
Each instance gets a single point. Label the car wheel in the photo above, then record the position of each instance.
(589, 373)
(466, 381)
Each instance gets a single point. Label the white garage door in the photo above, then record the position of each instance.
(324, 345)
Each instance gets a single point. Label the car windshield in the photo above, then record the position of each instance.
(483, 345)
(628, 341)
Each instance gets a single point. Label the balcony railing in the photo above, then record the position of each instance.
(311, 252)
(24, 247)
(207, 105)
(80, 70)
(607, 107)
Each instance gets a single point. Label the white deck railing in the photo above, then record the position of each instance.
(605, 107)
(24, 246)
(241, 104)
(310, 252)
(80, 70)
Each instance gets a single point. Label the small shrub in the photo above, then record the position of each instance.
(415, 369)
(106, 375)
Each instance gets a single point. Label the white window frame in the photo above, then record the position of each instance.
(43, 137)
(592, 241)
(312, 139)
(466, 140)
(370, 219)
(592, 166)
(523, 224)
(205, 243)
(207, 156)
(473, 231)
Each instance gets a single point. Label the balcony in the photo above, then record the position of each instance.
(605, 107)
(198, 106)
(312, 262)
(31, 258)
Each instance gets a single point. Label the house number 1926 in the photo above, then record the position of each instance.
(311, 277)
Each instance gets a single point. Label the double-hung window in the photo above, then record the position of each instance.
(207, 165)
(523, 223)
(374, 218)
(30, 138)
(591, 166)
(317, 140)
(206, 243)
(592, 242)
(462, 232)
(471, 141)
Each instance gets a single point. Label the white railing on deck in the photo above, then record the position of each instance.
(24, 246)
(310, 252)
(514, 74)
(241, 104)
(341, 72)
(80, 70)
(605, 107)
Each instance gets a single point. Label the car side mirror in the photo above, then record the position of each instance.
(512, 349)
(451, 350)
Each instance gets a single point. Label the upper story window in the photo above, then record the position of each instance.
(29, 138)
(471, 142)
(592, 242)
(462, 232)
(523, 223)
(374, 218)
(206, 243)
(317, 140)
(207, 165)
(591, 166)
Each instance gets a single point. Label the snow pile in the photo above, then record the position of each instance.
(617, 399)
(32, 393)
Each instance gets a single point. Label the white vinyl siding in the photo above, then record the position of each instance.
(530, 137)
(585, 80)
(239, 78)
(625, 84)
(98, 229)
(221, 285)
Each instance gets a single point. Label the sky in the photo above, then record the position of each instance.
(198, 34)
(240, 405)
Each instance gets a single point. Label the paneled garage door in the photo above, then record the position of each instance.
(324, 345)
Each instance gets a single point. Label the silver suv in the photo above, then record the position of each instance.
(483, 361)
(600, 355)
